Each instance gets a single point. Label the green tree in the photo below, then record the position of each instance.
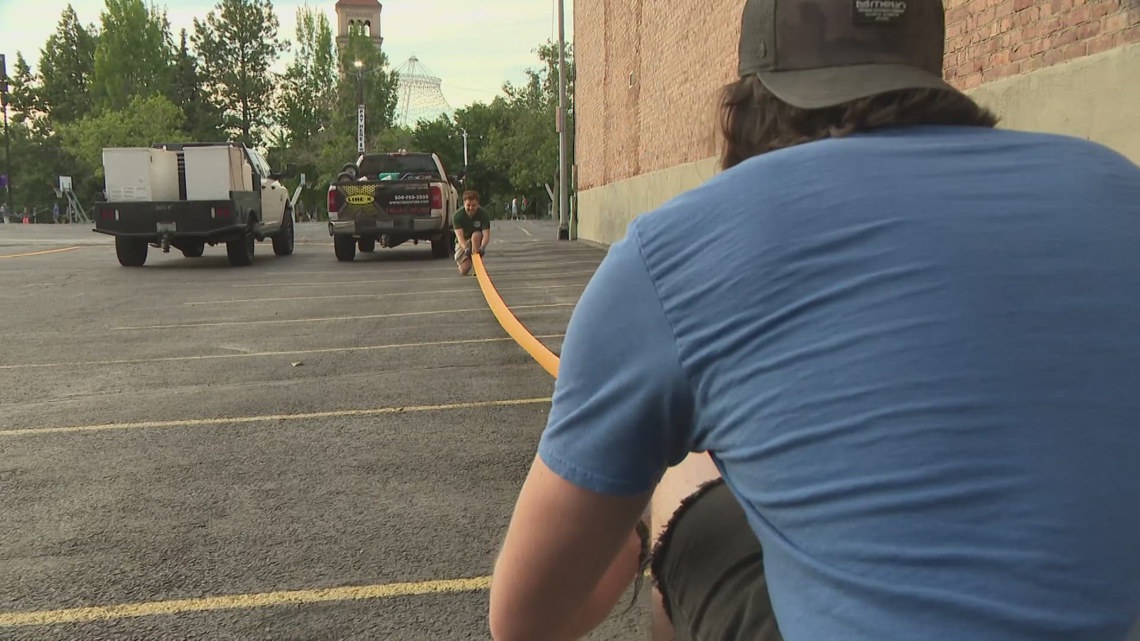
(237, 45)
(378, 81)
(23, 92)
(144, 122)
(443, 138)
(67, 69)
(36, 162)
(203, 119)
(487, 125)
(134, 55)
(308, 91)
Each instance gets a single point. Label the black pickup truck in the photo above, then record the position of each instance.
(390, 199)
(189, 195)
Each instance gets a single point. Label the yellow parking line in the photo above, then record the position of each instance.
(243, 601)
(279, 321)
(384, 295)
(269, 418)
(453, 277)
(40, 253)
(296, 352)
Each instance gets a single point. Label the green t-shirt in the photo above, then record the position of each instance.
(471, 224)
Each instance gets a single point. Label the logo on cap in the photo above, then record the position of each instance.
(879, 11)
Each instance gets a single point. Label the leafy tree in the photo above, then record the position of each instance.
(23, 92)
(145, 121)
(309, 86)
(134, 55)
(237, 45)
(67, 69)
(443, 138)
(36, 165)
(487, 126)
(203, 119)
(379, 83)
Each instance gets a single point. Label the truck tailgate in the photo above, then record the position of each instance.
(383, 198)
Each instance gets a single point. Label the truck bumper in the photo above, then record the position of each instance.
(206, 221)
(393, 226)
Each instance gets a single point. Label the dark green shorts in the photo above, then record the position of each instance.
(709, 568)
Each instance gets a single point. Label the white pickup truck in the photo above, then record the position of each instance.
(188, 195)
(391, 198)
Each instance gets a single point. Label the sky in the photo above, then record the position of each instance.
(472, 45)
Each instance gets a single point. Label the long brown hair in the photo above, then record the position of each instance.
(753, 121)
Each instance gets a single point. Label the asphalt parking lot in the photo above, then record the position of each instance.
(299, 449)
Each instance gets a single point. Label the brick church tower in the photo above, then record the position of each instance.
(358, 14)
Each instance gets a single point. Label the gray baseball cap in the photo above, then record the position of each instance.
(821, 53)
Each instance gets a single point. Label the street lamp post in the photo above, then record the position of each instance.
(359, 106)
(7, 138)
(563, 178)
(464, 154)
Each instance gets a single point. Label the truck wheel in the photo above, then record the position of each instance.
(131, 251)
(283, 241)
(367, 245)
(345, 248)
(194, 250)
(441, 248)
(240, 251)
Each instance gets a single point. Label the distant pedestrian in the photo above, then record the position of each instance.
(55, 213)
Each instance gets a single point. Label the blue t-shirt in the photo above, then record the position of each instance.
(914, 356)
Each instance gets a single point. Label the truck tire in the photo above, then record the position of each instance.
(345, 248)
(131, 251)
(240, 251)
(441, 248)
(194, 250)
(367, 245)
(284, 240)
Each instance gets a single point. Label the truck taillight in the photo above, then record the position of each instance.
(436, 197)
(332, 200)
(107, 214)
(222, 212)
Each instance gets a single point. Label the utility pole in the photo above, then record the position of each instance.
(563, 177)
(464, 181)
(359, 106)
(7, 138)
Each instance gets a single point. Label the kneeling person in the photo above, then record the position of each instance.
(472, 231)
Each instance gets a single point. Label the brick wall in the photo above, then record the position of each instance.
(681, 52)
(991, 39)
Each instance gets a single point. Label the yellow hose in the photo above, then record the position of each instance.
(514, 328)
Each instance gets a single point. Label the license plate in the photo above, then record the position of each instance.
(172, 227)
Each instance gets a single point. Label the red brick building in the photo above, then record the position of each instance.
(648, 72)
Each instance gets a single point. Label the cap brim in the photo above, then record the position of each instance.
(819, 88)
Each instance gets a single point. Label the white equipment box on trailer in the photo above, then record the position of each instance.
(140, 174)
(213, 172)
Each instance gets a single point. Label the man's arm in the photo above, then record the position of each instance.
(568, 556)
(622, 412)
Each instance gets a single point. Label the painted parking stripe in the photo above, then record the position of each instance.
(384, 295)
(40, 253)
(268, 418)
(529, 277)
(295, 352)
(281, 321)
(243, 601)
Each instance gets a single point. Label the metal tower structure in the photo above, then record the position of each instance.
(420, 96)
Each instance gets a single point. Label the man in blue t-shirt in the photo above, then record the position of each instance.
(879, 379)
